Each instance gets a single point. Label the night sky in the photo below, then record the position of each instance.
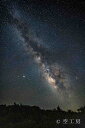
(42, 53)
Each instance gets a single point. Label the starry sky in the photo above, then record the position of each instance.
(42, 53)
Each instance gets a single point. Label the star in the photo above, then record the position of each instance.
(76, 77)
(23, 76)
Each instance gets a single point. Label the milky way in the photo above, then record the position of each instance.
(55, 58)
(51, 72)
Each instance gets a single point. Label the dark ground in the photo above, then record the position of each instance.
(24, 116)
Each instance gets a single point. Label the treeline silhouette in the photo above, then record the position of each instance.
(25, 116)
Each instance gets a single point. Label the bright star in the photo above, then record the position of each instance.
(23, 76)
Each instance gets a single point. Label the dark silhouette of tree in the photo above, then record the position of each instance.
(15, 103)
(59, 109)
(25, 116)
(81, 109)
(70, 111)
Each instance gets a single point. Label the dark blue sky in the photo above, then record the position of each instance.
(37, 41)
